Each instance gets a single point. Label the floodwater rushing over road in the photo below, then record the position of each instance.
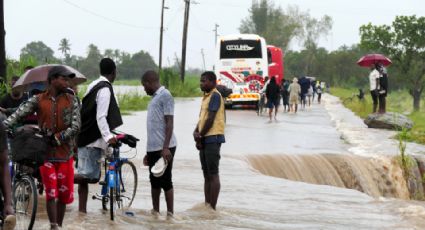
(305, 148)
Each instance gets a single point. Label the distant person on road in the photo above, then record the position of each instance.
(294, 94)
(161, 142)
(99, 115)
(284, 91)
(319, 92)
(209, 135)
(272, 95)
(374, 76)
(309, 95)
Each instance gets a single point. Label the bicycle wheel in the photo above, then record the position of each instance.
(112, 197)
(25, 202)
(128, 184)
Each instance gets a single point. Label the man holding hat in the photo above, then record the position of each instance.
(58, 115)
(161, 142)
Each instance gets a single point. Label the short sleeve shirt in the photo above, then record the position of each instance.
(162, 104)
(372, 79)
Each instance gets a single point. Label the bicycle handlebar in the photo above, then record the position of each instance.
(127, 139)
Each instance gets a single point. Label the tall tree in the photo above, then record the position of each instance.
(64, 47)
(40, 51)
(133, 66)
(404, 42)
(90, 65)
(312, 30)
(275, 25)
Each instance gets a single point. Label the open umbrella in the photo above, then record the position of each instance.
(39, 74)
(370, 59)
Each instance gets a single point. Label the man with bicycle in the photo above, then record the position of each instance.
(7, 214)
(58, 116)
(99, 115)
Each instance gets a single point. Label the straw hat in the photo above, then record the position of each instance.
(295, 79)
(159, 168)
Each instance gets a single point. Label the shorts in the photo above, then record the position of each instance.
(58, 180)
(272, 103)
(210, 158)
(89, 162)
(165, 181)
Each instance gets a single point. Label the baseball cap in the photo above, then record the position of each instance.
(60, 70)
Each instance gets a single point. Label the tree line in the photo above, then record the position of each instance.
(130, 66)
(402, 42)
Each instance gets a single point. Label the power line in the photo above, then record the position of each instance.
(109, 19)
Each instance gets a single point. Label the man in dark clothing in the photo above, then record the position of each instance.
(99, 115)
(11, 101)
(284, 91)
(272, 94)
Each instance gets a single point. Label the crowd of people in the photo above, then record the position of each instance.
(83, 130)
(298, 92)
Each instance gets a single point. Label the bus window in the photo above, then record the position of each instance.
(240, 49)
(269, 56)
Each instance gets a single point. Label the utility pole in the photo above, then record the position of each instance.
(2, 45)
(216, 33)
(160, 36)
(184, 40)
(203, 58)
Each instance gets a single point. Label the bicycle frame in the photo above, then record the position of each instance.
(113, 187)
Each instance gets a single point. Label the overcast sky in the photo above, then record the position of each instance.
(133, 25)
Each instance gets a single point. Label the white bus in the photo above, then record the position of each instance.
(241, 64)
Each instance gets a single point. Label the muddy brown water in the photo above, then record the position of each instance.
(250, 199)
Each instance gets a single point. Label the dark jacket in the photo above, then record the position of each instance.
(89, 129)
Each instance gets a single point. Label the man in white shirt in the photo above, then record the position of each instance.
(374, 85)
(99, 115)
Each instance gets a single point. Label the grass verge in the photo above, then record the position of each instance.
(397, 101)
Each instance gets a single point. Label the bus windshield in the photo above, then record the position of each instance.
(240, 49)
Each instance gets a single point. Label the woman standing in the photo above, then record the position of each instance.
(294, 94)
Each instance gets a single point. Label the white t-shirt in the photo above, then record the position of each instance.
(372, 79)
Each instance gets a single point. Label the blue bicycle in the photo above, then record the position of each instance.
(120, 184)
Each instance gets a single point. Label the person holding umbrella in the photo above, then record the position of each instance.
(378, 80)
(374, 76)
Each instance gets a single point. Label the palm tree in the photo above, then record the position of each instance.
(65, 47)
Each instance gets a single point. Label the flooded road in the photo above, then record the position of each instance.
(250, 199)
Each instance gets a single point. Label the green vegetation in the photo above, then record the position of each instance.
(397, 101)
(171, 81)
(403, 43)
(134, 82)
(131, 102)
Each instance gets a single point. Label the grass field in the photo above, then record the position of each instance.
(397, 101)
(131, 102)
